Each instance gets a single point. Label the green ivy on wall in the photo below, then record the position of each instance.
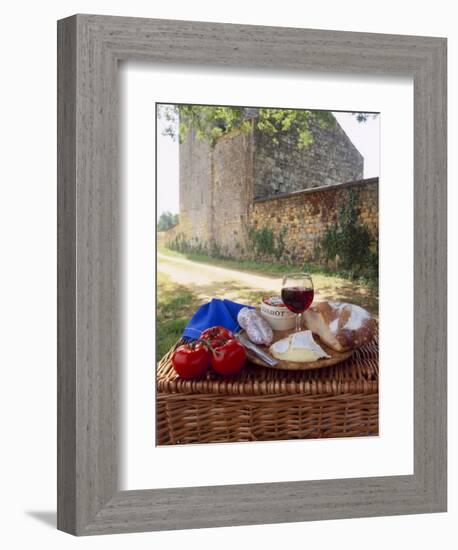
(349, 244)
(265, 244)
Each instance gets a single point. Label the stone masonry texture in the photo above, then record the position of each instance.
(247, 182)
(283, 168)
(305, 216)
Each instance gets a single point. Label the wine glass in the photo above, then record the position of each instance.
(297, 294)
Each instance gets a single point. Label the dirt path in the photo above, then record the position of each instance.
(187, 272)
(208, 281)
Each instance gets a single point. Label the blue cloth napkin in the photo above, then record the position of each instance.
(214, 313)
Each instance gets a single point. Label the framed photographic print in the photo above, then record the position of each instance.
(252, 274)
(276, 200)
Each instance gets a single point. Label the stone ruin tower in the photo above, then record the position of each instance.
(219, 185)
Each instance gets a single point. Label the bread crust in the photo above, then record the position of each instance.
(340, 325)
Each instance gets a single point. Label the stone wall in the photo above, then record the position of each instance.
(232, 193)
(215, 194)
(196, 188)
(245, 181)
(304, 216)
(169, 235)
(284, 168)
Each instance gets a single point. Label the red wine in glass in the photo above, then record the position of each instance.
(297, 294)
(297, 299)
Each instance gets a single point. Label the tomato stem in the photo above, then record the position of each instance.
(208, 344)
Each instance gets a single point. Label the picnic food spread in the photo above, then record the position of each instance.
(339, 327)
(231, 377)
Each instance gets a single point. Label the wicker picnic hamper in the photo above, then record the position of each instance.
(263, 404)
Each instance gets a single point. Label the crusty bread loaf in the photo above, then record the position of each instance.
(339, 325)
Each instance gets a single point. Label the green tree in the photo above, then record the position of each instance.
(211, 122)
(166, 221)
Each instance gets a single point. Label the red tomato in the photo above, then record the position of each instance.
(229, 358)
(216, 335)
(191, 361)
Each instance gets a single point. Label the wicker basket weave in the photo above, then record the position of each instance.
(263, 404)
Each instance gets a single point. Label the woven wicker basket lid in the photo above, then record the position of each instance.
(358, 374)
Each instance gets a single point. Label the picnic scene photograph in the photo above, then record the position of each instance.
(267, 236)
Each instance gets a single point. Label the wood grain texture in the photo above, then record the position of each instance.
(66, 276)
(90, 47)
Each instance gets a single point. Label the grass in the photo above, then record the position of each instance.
(178, 302)
(271, 268)
(175, 306)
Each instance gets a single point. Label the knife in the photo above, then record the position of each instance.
(269, 360)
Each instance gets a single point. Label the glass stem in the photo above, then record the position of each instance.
(298, 322)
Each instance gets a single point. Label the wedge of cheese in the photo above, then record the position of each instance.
(299, 347)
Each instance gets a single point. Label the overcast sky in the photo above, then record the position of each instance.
(364, 135)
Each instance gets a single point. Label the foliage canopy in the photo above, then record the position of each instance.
(166, 221)
(212, 121)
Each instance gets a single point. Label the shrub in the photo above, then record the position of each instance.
(181, 244)
(281, 245)
(350, 244)
(265, 244)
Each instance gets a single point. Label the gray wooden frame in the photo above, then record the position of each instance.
(89, 48)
